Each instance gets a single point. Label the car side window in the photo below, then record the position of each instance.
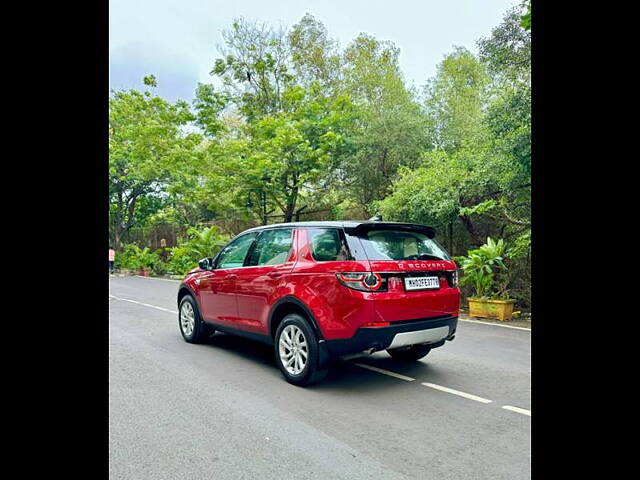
(328, 245)
(272, 248)
(233, 255)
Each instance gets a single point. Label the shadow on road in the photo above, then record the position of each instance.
(344, 376)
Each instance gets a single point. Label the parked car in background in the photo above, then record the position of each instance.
(318, 291)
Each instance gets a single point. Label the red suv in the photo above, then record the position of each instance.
(321, 290)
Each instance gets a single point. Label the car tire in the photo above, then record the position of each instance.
(411, 353)
(293, 340)
(192, 328)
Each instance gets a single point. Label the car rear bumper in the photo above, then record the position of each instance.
(429, 330)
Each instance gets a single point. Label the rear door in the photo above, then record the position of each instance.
(418, 272)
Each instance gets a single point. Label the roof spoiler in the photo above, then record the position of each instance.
(407, 227)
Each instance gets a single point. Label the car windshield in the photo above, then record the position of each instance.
(401, 245)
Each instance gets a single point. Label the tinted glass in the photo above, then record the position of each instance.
(328, 244)
(401, 245)
(272, 248)
(233, 254)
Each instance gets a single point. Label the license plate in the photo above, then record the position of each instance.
(421, 283)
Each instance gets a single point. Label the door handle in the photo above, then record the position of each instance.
(274, 274)
(232, 276)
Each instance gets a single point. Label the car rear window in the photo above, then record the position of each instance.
(328, 245)
(401, 245)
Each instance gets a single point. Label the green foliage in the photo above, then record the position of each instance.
(146, 259)
(454, 101)
(390, 129)
(147, 148)
(287, 152)
(201, 243)
(525, 21)
(133, 257)
(124, 258)
(521, 246)
(314, 56)
(253, 67)
(204, 242)
(181, 260)
(484, 269)
(507, 52)
(208, 105)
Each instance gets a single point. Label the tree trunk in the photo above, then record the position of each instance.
(468, 225)
(291, 205)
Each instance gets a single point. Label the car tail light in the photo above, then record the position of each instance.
(453, 278)
(363, 281)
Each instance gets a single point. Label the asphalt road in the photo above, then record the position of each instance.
(222, 410)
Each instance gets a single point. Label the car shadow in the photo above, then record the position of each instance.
(344, 375)
(250, 349)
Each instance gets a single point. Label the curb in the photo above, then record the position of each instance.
(487, 321)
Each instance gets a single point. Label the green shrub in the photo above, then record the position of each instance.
(146, 259)
(205, 242)
(126, 257)
(201, 243)
(484, 270)
(181, 260)
(133, 257)
(159, 268)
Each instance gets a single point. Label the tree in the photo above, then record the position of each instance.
(390, 128)
(146, 147)
(507, 51)
(314, 56)
(455, 98)
(254, 67)
(479, 173)
(289, 153)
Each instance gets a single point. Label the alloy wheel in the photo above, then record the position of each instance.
(187, 319)
(293, 349)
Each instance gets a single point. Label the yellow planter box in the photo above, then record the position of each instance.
(499, 309)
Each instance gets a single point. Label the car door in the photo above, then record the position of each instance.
(270, 259)
(217, 289)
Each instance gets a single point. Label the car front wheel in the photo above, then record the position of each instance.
(193, 329)
(410, 353)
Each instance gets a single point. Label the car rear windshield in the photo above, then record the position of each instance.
(401, 245)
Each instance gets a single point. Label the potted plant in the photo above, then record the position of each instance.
(485, 272)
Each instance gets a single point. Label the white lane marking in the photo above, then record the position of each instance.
(143, 304)
(494, 324)
(385, 372)
(523, 411)
(156, 278)
(457, 392)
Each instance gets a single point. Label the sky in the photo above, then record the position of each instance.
(177, 40)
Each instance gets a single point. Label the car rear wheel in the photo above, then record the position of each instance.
(410, 353)
(193, 329)
(296, 351)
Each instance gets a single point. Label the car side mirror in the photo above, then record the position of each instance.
(205, 264)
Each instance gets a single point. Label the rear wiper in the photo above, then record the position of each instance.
(426, 256)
